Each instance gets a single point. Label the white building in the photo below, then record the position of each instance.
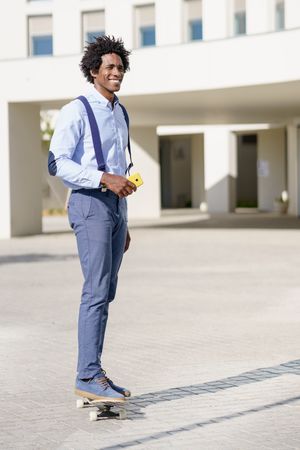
(213, 95)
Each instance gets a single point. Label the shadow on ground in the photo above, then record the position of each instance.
(34, 257)
(228, 221)
(136, 404)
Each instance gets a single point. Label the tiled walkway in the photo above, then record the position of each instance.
(205, 332)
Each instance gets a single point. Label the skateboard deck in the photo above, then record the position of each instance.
(104, 409)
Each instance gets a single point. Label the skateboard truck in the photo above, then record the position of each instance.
(103, 409)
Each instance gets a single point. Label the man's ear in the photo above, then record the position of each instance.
(93, 72)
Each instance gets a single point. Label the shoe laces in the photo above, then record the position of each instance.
(105, 376)
(102, 382)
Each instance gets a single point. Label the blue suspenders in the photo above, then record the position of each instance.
(96, 134)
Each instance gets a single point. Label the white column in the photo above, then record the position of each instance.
(5, 222)
(215, 19)
(293, 169)
(292, 13)
(22, 185)
(172, 33)
(145, 202)
(258, 16)
(220, 169)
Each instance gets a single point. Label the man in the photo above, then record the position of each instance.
(97, 206)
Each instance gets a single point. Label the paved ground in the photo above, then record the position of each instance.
(205, 331)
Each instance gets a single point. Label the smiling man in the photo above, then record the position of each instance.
(95, 172)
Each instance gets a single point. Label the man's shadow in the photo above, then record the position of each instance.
(136, 405)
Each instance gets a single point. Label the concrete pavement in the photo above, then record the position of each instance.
(204, 330)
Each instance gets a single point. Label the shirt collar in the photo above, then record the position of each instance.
(100, 98)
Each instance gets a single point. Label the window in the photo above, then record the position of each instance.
(147, 36)
(145, 25)
(279, 15)
(239, 26)
(93, 25)
(195, 30)
(40, 35)
(193, 17)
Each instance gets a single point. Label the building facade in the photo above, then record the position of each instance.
(213, 95)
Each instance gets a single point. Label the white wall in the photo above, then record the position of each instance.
(145, 202)
(13, 30)
(215, 19)
(119, 20)
(258, 16)
(219, 64)
(66, 39)
(270, 149)
(292, 13)
(168, 22)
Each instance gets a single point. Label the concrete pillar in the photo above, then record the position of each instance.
(220, 169)
(271, 163)
(145, 203)
(293, 182)
(20, 176)
(197, 166)
(5, 222)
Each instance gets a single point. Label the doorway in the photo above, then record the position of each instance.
(175, 166)
(246, 187)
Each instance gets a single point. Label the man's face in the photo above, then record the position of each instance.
(110, 75)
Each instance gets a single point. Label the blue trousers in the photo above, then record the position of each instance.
(99, 220)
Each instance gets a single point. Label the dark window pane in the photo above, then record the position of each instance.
(249, 139)
(92, 35)
(42, 45)
(147, 36)
(195, 30)
(279, 22)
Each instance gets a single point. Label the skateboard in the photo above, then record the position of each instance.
(104, 409)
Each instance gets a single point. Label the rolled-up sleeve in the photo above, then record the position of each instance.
(67, 135)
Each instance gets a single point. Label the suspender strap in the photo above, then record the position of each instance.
(95, 134)
(128, 145)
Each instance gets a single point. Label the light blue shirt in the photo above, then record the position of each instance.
(72, 146)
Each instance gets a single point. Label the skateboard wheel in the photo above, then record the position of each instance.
(122, 415)
(79, 403)
(93, 416)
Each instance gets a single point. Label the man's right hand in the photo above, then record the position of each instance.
(118, 184)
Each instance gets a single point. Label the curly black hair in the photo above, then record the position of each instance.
(92, 58)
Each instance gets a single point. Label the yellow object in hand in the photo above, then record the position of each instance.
(136, 179)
